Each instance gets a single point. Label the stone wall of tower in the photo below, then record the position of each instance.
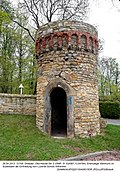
(66, 52)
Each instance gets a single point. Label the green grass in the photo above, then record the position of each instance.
(21, 140)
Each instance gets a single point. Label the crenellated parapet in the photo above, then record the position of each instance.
(70, 35)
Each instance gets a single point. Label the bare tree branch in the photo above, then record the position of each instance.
(49, 10)
(25, 29)
(117, 7)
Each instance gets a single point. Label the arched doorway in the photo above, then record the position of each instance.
(58, 100)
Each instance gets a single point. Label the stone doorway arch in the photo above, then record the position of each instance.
(57, 89)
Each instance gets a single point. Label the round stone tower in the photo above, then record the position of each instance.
(67, 90)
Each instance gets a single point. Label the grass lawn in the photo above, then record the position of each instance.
(21, 140)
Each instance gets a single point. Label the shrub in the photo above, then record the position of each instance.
(112, 97)
(110, 110)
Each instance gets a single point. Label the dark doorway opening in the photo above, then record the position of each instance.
(58, 100)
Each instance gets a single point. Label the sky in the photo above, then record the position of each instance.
(106, 16)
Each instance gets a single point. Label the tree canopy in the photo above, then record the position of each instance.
(40, 12)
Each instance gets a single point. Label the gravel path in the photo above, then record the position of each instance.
(113, 121)
(97, 156)
(111, 156)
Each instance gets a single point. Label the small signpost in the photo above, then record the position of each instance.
(21, 88)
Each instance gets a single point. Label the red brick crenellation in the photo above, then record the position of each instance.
(58, 40)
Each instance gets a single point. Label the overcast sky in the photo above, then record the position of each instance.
(107, 17)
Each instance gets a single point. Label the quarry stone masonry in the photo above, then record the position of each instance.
(17, 104)
(67, 91)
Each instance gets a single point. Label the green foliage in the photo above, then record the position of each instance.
(110, 109)
(7, 61)
(17, 60)
(108, 77)
(4, 17)
(112, 97)
(21, 140)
